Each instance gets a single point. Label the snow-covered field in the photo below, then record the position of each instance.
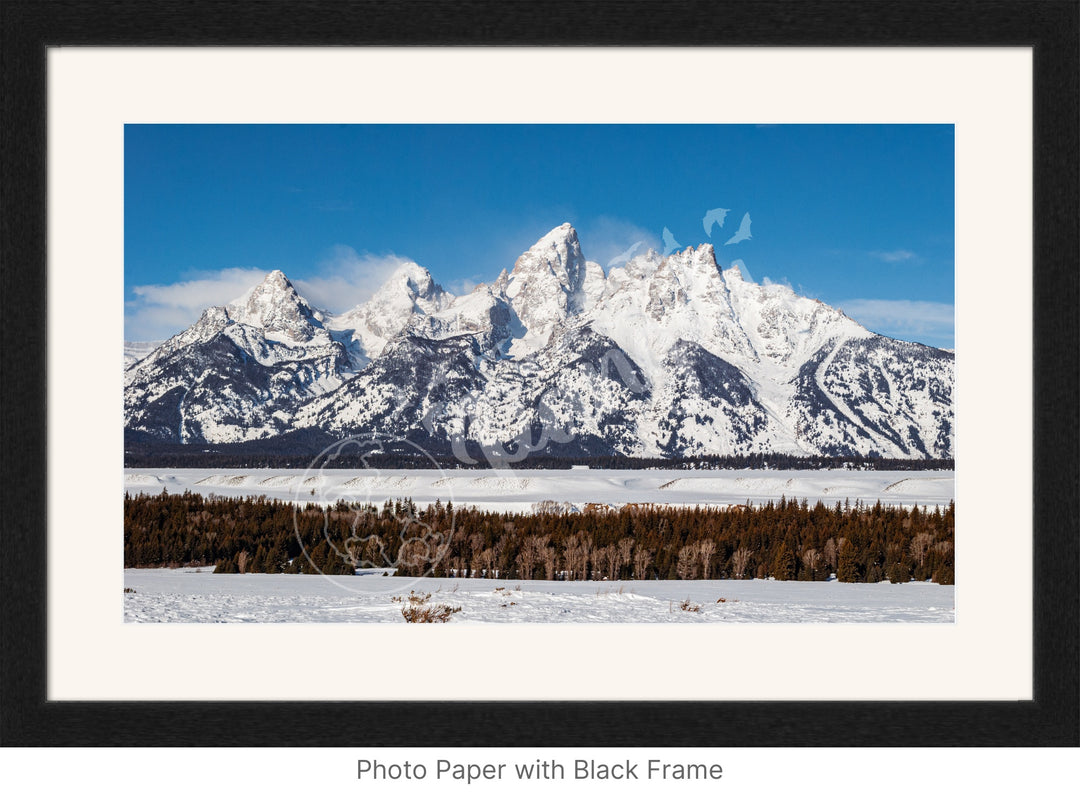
(188, 595)
(518, 490)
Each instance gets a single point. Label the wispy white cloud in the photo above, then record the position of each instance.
(463, 286)
(927, 322)
(893, 257)
(207, 290)
(344, 279)
(159, 311)
(768, 282)
(611, 241)
(347, 278)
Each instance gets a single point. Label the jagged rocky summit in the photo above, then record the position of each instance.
(662, 356)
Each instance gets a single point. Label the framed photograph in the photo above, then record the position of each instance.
(691, 387)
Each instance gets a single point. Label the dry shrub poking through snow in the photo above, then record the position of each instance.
(690, 607)
(416, 609)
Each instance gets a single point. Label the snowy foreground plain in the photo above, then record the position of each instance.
(184, 595)
(518, 490)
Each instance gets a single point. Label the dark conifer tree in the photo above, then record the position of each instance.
(848, 568)
(783, 567)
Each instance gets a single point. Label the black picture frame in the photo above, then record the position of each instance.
(1052, 29)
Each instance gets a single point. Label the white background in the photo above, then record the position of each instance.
(986, 93)
(298, 775)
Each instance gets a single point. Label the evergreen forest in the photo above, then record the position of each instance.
(785, 540)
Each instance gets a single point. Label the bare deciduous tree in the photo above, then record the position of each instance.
(533, 553)
(483, 562)
(706, 549)
(611, 561)
(626, 547)
(920, 546)
(688, 564)
(642, 558)
(576, 555)
(501, 548)
(600, 559)
(832, 551)
(739, 562)
(943, 547)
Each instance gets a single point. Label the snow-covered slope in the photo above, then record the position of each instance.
(523, 490)
(134, 351)
(662, 356)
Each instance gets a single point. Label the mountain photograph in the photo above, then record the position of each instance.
(397, 356)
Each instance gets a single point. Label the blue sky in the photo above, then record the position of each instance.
(859, 216)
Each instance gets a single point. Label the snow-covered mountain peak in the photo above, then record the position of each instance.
(275, 307)
(694, 268)
(733, 273)
(704, 251)
(557, 237)
(274, 287)
(550, 283)
(277, 278)
(652, 303)
(405, 299)
(409, 290)
(413, 282)
(211, 322)
(559, 253)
